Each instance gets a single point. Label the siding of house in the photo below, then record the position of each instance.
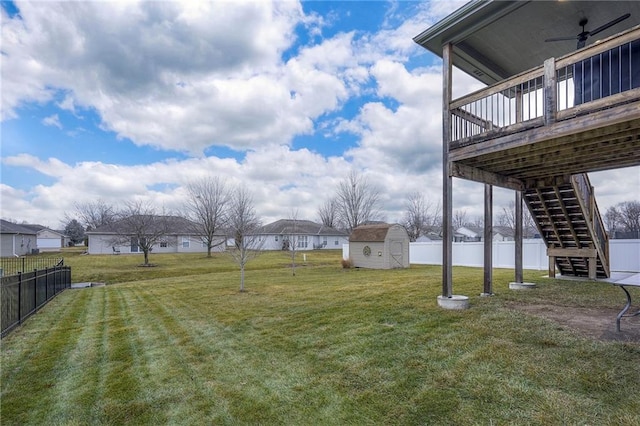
(103, 244)
(21, 243)
(49, 240)
(307, 235)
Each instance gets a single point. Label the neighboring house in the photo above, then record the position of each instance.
(305, 234)
(47, 239)
(476, 233)
(381, 246)
(16, 240)
(180, 238)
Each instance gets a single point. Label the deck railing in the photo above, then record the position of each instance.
(586, 80)
(584, 189)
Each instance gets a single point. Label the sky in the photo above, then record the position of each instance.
(122, 101)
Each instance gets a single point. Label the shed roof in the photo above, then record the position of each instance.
(370, 233)
(494, 40)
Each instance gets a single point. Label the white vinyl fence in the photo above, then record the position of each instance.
(624, 254)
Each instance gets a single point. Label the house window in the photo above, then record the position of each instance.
(185, 242)
(324, 241)
(276, 238)
(163, 244)
(336, 243)
(302, 241)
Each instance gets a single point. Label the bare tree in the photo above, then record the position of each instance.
(328, 213)
(630, 215)
(459, 219)
(139, 224)
(357, 200)
(624, 216)
(207, 208)
(242, 225)
(507, 218)
(478, 222)
(293, 239)
(418, 216)
(612, 219)
(93, 214)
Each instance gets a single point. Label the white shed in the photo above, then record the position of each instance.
(380, 246)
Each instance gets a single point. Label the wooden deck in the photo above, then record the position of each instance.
(529, 131)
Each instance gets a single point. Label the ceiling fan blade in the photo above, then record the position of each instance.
(609, 24)
(561, 38)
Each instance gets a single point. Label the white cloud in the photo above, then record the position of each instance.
(188, 75)
(52, 120)
(176, 75)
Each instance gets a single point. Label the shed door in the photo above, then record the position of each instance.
(396, 254)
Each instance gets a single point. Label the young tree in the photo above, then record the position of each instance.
(207, 208)
(242, 225)
(357, 201)
(293, 239)
(139, 223)
(75, 231)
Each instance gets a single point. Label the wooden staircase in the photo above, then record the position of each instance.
(568, 219)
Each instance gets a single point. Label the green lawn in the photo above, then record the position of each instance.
(179, 344)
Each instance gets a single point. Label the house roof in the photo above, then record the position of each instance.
(370, 233)
(7, 227)
(175, 224)
(298, 227)
(38, 228)
(494, 40)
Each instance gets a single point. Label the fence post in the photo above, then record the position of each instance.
(35, 289)
(19, 297)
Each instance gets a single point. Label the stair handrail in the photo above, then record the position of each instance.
(586, 197)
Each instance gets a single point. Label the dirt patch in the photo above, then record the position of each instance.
(597, 324)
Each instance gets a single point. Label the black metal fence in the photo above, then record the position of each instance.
(24, 293)
(15, 265)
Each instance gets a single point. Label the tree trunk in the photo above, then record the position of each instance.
(146, 257)
(208, 250)
(242, 278)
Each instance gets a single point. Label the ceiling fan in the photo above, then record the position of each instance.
(584, 35)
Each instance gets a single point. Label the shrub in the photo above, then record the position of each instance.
(346, 263)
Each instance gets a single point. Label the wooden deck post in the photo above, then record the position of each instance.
(488, 239)
(447, 180)
(550, 91)
(518, 239)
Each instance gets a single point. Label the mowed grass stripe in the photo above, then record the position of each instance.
(77, 394)
(354, 347)
(173, 356)
(42, 354)
(122, 388)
